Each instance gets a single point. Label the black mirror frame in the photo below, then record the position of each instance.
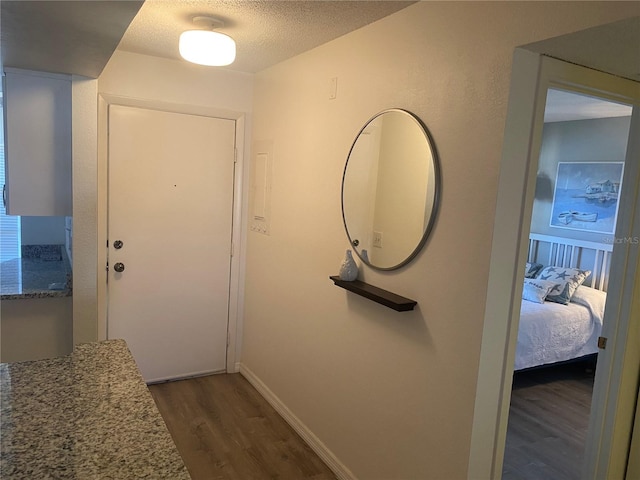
(436, 193)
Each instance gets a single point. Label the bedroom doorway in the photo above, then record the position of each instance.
(616, 381)
(582, 154)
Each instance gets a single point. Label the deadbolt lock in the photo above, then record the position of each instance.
(118, 244)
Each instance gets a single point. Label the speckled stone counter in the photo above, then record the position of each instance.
(85, 416)
(44, 271)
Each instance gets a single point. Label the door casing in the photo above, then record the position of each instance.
(614, 396)
(239, 209)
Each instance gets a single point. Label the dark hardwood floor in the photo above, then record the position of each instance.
(225, 430)
(548, 421)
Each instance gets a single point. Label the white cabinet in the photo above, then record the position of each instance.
(37, 109)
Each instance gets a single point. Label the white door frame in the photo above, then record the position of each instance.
(612, 410)
(234, 332)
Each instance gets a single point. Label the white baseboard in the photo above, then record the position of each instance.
(327, 456)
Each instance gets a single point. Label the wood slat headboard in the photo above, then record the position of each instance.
(570, 253)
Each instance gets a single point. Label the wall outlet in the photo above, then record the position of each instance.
(377, 239)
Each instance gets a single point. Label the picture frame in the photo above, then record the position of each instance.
(586, 196)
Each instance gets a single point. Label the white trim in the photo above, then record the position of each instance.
(236, 279)
(236, 291)
(327, 456)
(616, 383)
(532, 75)
(488, 434)
(37, 73)
(187, 108)
(570, 241)
(566, 252)
(185, 376)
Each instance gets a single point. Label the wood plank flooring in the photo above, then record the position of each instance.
(225, 430)
(548, 421)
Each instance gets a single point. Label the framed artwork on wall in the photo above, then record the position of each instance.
(586, 196)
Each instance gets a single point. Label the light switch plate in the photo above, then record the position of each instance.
(377, 239)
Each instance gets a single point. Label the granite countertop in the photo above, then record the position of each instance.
(87, 415)
(44, 271)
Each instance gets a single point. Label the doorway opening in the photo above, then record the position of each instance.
(616, 380)
(575, 208)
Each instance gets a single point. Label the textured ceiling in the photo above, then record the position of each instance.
(266, 32)
(75, 37)
(79, 36)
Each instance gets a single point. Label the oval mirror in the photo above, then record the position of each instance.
(390, 189)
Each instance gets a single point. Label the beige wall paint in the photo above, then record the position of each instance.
(85, 196)
(177, 82)
(391, 395)
(36, 328)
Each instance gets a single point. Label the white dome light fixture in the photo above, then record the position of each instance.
(206, 47)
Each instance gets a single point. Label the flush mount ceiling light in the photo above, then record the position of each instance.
(206, 47)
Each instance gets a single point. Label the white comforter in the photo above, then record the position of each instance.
(551, 332)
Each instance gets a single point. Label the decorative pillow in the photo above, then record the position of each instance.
(566, 280)
(536, 290)
(532, 269)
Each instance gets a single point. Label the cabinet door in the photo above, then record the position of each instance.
(37, 143)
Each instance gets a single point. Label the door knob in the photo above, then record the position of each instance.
(119, 267)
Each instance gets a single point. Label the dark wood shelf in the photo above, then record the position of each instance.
(383, 297)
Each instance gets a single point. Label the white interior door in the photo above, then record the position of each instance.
(170, 205)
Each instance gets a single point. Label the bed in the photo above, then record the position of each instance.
(551, 332)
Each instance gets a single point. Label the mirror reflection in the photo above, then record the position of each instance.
(390, 189)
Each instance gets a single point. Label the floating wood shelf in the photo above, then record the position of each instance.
(383, 297)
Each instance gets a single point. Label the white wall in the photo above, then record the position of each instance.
(391, 395)
(42, 230)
